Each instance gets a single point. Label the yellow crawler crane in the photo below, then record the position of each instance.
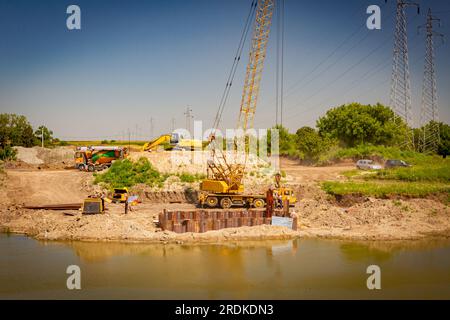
(223, 184)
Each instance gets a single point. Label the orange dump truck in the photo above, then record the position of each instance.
(94, 158)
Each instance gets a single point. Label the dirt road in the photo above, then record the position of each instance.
(311, 175)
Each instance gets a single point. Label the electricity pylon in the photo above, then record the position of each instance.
(400, 97)
(429, 116)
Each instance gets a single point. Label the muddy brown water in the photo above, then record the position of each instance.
(298, 269)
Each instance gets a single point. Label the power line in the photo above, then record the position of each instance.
(237, 59)
(346, 71)
(305, 77)
(385, 81)
(370, 73)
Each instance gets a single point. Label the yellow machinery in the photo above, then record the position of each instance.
(120, 195)
(174, 141)
(152, 145)
(286, 193)
(223, 184)
(95, 158)
(93, 206)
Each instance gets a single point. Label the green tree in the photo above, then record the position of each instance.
(310, 144)
(48, 135)
(354, 124)
(444, 145)
(286, 141)
(15, 130)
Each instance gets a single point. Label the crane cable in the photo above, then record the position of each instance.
(236, 61)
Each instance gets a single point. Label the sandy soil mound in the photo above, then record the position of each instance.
(46, 187)
(192, 162)
(46, 158)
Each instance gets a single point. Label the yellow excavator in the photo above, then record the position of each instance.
(223, 185)
(155, 143)
(173, 141)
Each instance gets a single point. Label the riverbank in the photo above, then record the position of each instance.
(319, 215)
(371, 220)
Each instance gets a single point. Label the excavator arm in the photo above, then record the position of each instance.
(152, 145)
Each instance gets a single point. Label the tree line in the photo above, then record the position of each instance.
(16, 130)
(353, 125)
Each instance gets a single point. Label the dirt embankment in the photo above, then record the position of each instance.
(43, 158)
(46, 187)
(319, 216)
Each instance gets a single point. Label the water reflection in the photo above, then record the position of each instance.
(385, 250)
(239, 270)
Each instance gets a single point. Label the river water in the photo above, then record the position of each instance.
(297, 269)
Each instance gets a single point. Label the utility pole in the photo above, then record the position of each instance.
(173, 124)
(129, 139)
(189, 116)
(429, 116)
(151, 128)
(42, 136)
(400, 96)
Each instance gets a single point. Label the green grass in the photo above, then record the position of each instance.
(190, 178)
(430, 172)
(385, 189)
(356, 173)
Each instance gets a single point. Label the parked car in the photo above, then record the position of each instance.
(396, 163)
(367, 165)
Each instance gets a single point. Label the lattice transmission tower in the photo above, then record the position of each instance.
(400, 97)
(429, 116)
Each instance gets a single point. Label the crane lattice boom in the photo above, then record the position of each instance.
(221, 169)
(264, 13)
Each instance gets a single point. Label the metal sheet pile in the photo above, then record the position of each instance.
(200, 220)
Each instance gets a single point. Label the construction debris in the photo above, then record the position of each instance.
(70, 206)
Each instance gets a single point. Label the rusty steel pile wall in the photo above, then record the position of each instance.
(181, 221)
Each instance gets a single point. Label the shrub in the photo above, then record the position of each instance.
(8, 153)
(190, 178)
(126, 173)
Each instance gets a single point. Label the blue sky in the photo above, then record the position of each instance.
(133, 60)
